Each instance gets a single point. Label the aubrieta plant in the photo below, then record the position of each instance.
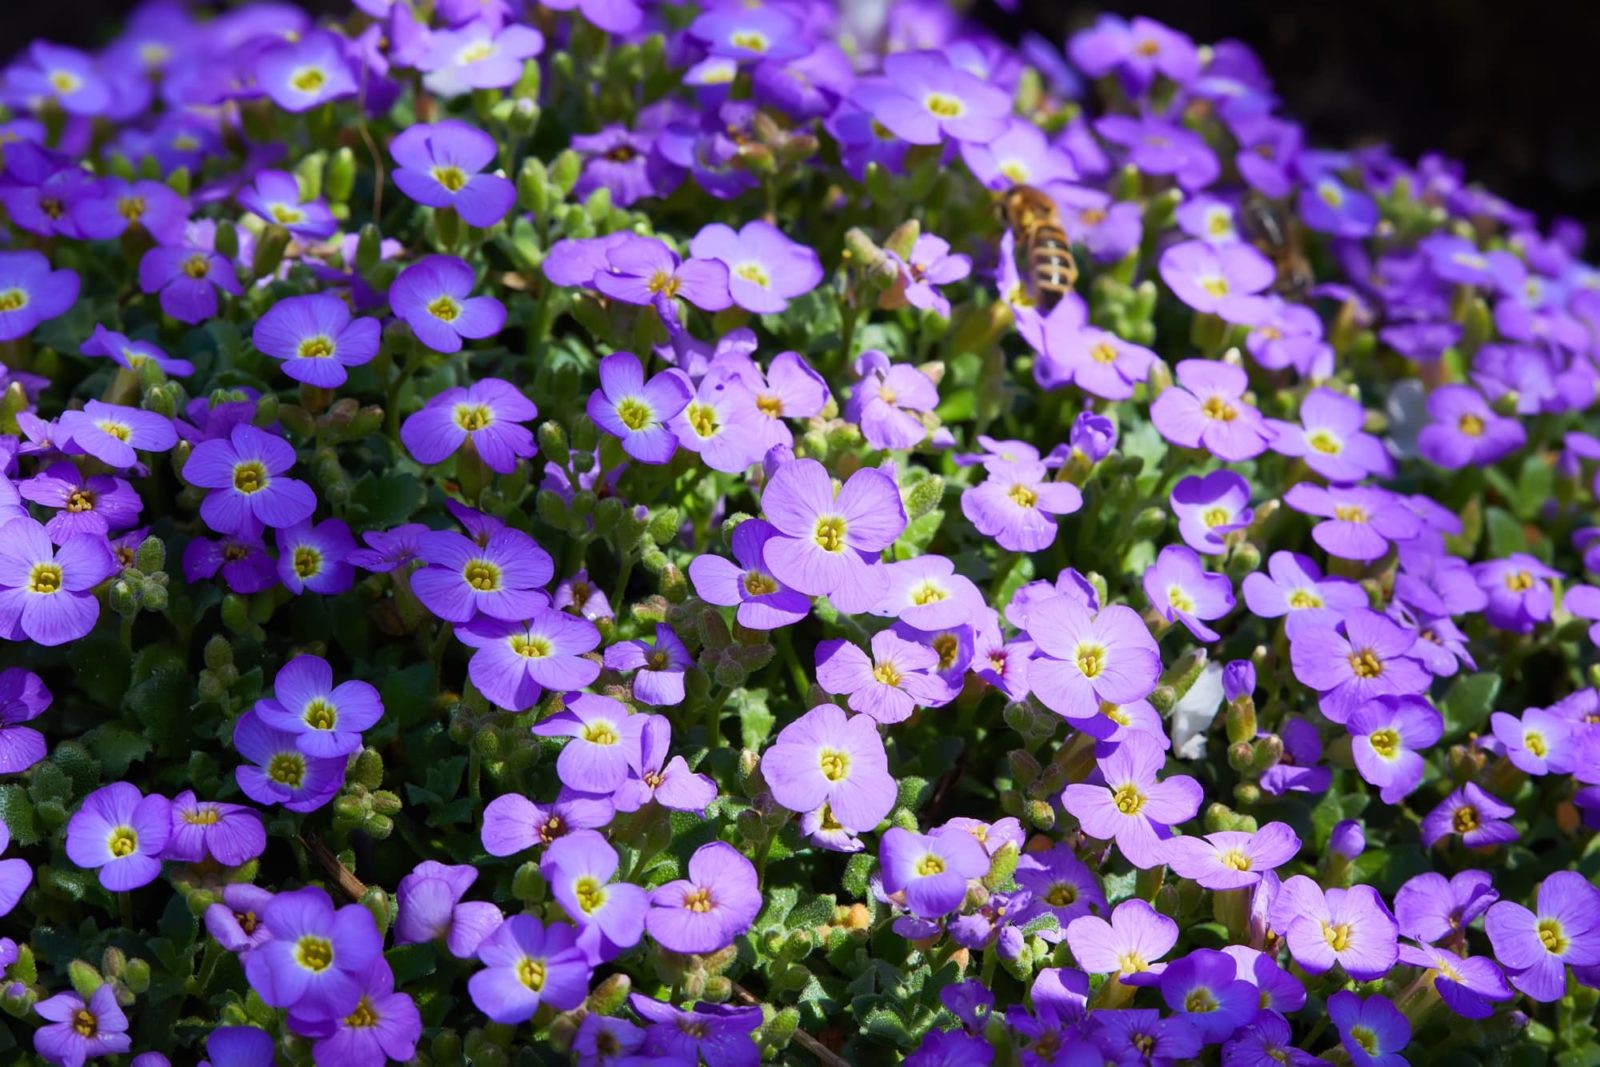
(616, 532)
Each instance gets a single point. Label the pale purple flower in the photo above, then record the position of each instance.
(829, 757)
(115, 434)
(1366, 655)
(1085, 659)
(887, 399)
(23, 698)
(231, 834)
(488, 413)
(120, 834)
(301, 74)
(889, 686)
(439, 166)
(605, 741)
(316, 338)
(764, 603)
(1181, 590)
(639, 269)
(528, 964)
(658, 668)
(479, 55)
(431, 297)
(1232, 859)
(516, 662)
(704, 912)
(922, 98)
(1348, 927)
(1221, 280)
(1209, 508)
(1129, 804)
(1206, 410)
(765, 268)
(637, 411)
(1130, 943)
(1330, 438)
(1387, 736)
(657, 777)
(930, 870)
(1017, 504)
(1294, 588)
(1095, 360)
(827, 537)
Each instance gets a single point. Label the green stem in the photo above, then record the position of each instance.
(474, 769)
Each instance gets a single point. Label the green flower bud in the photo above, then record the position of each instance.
(1247, 793)
(339, 180)
(369, 248)
(487, 741)
(609, 996)
(565, 171)
(1245, 559)
(1025, 770)
(779, 1030)
(1041, 815)
(349, 809)
(84, 978)
(151, 555)
(1149, 523)
(367, 771)
(153, 596)
(378, 827)
(385, 802)
(528, 885)
(178, 181)
(270, 247)
(924, 496)
(1242, 719)
(663, 525)
(533, 185)
(1002, 865)
(1241, 755)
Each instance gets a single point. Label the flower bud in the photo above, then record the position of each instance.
(528, 885)
(339, 178)
(1149, 523)
(367, 770)
(151, 555)
(924, 496)
(270, 247)
(84, 978)
(1041, 814)
(533, 184)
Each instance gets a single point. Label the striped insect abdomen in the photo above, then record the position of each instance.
(1050, 265)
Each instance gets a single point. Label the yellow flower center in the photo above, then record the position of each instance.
(1337, 935)
(1350, 513)
(13, 299)
(750, 41)
(930, 864)
(1128, 799)
(364, 1017)
(591, 895)
(1200, 1001)
(1534, 742)
(754, 273)
(1470, 425)
(946, 645)
(307, 561)
(1061, 895)
(530, 646)
(698, 901)
(1324, 442)
(64, 81)
(287, 214)
(250, 476)
(319, 347)
(1217, 408)
(1465, 820)
(314, 953)
(308, 79)
(769, 405)
(131, 208)
(482, 575)
(1091, 660)
(1214, 517)
(662, 282)
(124, 841)
(1366, 663)
(834, 763)
(702, 419)
(758, 584)
(530, 972)
(197, 266)
(1235, 859)
(207, 816)
(1303, 599)
(45, 578)
(1552, 936)
(444, 308)
(1103, 353)
(1179, 600)
(452, 178)
(887, 674)
(84, 1022)
(635, 413)
(600, 732)
(1023, 496)
(473, 417)
(1519, 581)
(1216, 286)
(1385, 742)
(475, 53)
(829, 533)
(121, 431)
(287, 769)
(1115, 713)
(1132, 963)
(1017, 171)
(320, 715)
(1364, 1036)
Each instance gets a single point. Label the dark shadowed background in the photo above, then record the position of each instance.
(1510, 88)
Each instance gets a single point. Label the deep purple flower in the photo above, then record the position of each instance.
(120, 834)
(316, 558)
(31, 293)
(605, 739)
(929, 265)
(1060, 883)
(235, 921)
(431, 297)
(93, 506)
(316, 338)
(1209, 508)
(1017, 504)
(187, 277)
(1387, 736)
(276, 197)
(1329, 206)
(1181, 590)
(1206, 410)
(1474, 814)
(924, 99)
(326, 719)
(243, 471)
(244, 562)
(389, 550)
(78, 1031)
(384, 1026)
(639, 269)
(1295, 589)
(279, 773)
(23, 698)
(231, 834)
(1365, 656)
(1137, 52)
(488, 413)
(622, 162)
(709, 1033)
(1359, 523)
(658, 668)
(462, 580)
(765, 269)
(931, 870)
(517, 661)
(239, 1046)
(115, 434)
(1232, 859)
(1536, 946)
(1129, 804)
(1350, 927)
(301, 74)
(46, 593)
(132, 354)
(439, 166)
(55, 72)
(1201, 988)
(429, 908)
(1465, 431)
(637, 411)
(1518, 588)
(704, 912)
(315, 959)
(15, 877)
(1330, 438)
(828, 757)
(827, 536)
(1373, 1030)
(764, 603)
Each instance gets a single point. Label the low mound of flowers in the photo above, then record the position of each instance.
(624, 533)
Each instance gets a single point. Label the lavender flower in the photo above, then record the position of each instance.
(316, 338)
(120, 834)
(1206, 410)
(431, 297)
(628, 407)
(1387, 735)
(31, 293)
(439, 166)
(1232, 859)
(77, 1030)
(46, 593)
(487, 414)
(1537, 945)
(765, 269)
(1129, 804)
(828, 757)
(706, 911)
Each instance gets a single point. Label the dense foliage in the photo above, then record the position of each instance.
(577, 531)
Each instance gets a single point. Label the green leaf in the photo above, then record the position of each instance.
(755, 719)
(856, 873)
(116, 747)
(17, 812)
(388, 500)
(1505, 533)
(1467, 703)
(408, 694)
(885, 1025)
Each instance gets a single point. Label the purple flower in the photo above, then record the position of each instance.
(231, 834)
(706, 911)
(890, 685)
(1131, 943)
(1361, 658)
(1350, 927)
(1469, 811)
(79, 1031)
(1202, 989)
(23, 698)
(479, 55)
(462, 580)
(431, 297)
(828, 757)
(931, 870)
(316, 338)
(31, 293)
(621, 161)
(316, 557)
(1129, 804)
(764, 603)
(1429, 908)
(132, 354)
(1060, 883)
(1538, 743)
(243, 470)
(91, 505)
(389, 550)
(1329, 206)
(765, 269)
(929, 265)
(579, 869)
(1129, 1035)
(1137, 52)
(709, 1033)
(1086, 659)
(1469, 985)
(301, 74)
(235, 921)
(439, 166)
(115, 434)
(1463, 430)
(1536, 946)
(636, 411)
(239, 1046)
(1330, 438)
(605, 738)
(1016, 505)
(1206, 410)
(1210, 507)
(314, 960)
(187, 277)
(1297, 591)
(656, 777)
(384, 1026)
(827, 537)
(1181, 590)
(1373, 1031)
(513, 823)
(15, 877)
(640, 269)
(1232, 859)
(1387, 735)
(659, 669)
(244, 562)
(488, 413)
(120, 834)
(1518, 588)
(887, 399)
(722, 425)
(1096, 361)
(1359, 523)
(1219, 279)
(276, 197)
(1022, 155)
(922, 98)
(926, 593)
(282, 774)
(517, 661)
(1296, 770)
(326, 719)
(46, 593)
(757, 34)
(69, 77)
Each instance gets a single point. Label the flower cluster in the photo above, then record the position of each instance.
(668, 574)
